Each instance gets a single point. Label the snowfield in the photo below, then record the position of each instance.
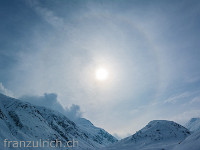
(193, 124)
(190, 143)
(157, 135)
(22, 121)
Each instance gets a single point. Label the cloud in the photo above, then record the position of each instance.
(183, 117)
(195, 100)
(5, 91)
(50, 100)
(175, 98)
(48, 15)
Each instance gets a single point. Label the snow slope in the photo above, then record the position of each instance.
(99, 134)
(157, 135)
(192, 142)
(193, 124)
(23, 121)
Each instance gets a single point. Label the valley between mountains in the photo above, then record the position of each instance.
(22, 121)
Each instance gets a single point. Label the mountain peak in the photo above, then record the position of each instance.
(155, 135)
(193, 124)
(83, 121)
(21, 120)
(161, 130)
(194, 119)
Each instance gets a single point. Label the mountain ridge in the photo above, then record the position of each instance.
(157, 134)
(193, 124)
(23, 121)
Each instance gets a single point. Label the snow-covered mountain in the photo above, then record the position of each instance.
(193, 124)
(157, 135)
(22, 121)
(192, 142)
(98, 134)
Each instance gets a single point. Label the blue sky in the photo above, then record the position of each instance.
(149, 48)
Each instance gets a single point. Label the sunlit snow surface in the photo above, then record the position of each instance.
(193, 124)
(157, 135)
(21, 121)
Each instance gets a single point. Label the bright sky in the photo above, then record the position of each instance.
(123, 62)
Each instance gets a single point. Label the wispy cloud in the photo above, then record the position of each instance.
(47, 14)
(50, 17)
(5, 91)
(195, 100)
(178, 97)
(183, 117)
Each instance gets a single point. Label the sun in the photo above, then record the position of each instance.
(101, 74)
